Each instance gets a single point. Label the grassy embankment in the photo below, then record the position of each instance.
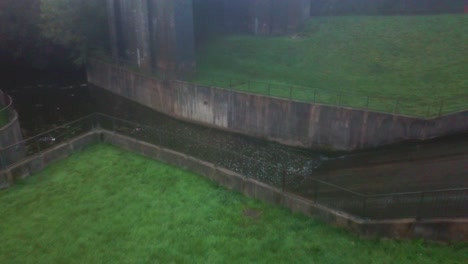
(106, 205)
(419, 61)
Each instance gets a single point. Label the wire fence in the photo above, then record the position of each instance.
(414, 105)
(447, 203)
(46, 140)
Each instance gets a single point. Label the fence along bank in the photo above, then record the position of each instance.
(10, 130)
(288, 122)
(436, 215)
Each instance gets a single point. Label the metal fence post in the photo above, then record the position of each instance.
(283, 181)
(441, 107)
(396, 105)
(364, 206)
(428, 110)
(2, 160)
(316, 188)
(97, 122)
(420, 205)
(38, 147)
(67, 136)
(93, 121)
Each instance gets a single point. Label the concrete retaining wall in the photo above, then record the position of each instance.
(288, 122)
(24, 168)
(451, 230)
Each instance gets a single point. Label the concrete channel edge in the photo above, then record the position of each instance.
(445, 230)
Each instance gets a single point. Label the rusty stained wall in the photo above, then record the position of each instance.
(155, 35)
(164, 35)
(129, 31)
(172, 38)
(288, 122)
(201, 104)
(112, 24)
(184, 41)
(142, 34)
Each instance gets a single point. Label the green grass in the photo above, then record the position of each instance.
(417, 60)
(4, 119)
(106, 205)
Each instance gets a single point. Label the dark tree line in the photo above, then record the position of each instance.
(386, 7)
(20, 38)
(43, 33)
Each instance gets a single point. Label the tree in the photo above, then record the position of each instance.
(20, 38)
(78, 25)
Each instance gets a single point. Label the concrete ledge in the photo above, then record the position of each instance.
(38, 162)
(57, 153)
(173, 157)
(448, 230)
(298, 204)
(265, 192)
(125, 143)
(82, 142)
(150, 151)
(201, 167)
(229, 179)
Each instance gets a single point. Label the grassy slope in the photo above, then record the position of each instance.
(108, 205)
(396, 56)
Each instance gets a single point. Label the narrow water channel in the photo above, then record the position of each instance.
(411, 166)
